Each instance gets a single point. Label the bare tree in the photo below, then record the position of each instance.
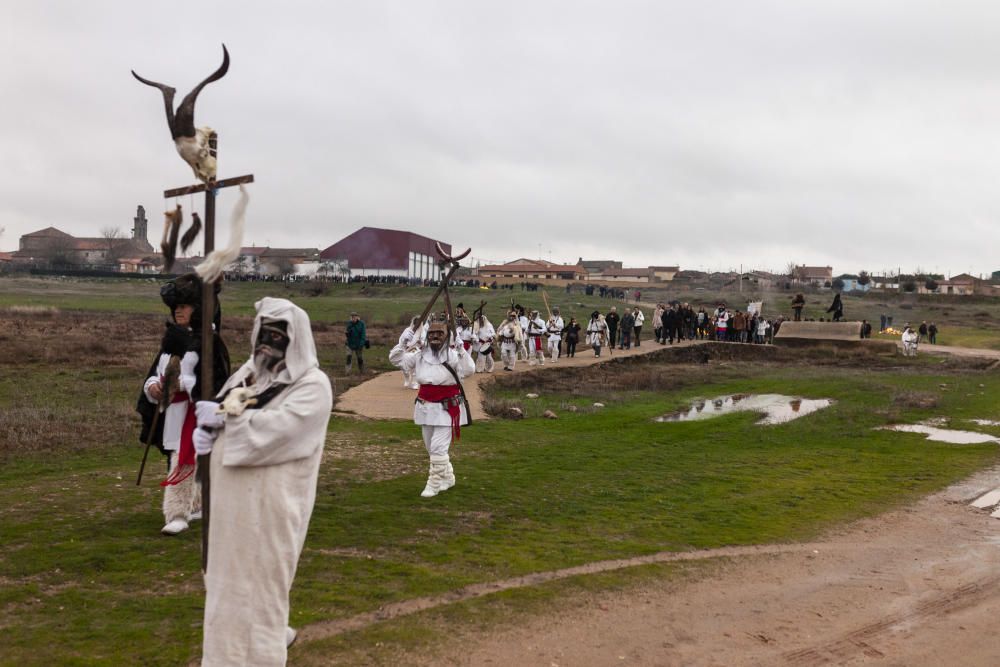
(58, 251)
(115, 244)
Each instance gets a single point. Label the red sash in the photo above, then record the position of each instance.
(450, 398)
(185, 454)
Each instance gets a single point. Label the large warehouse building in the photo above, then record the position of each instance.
(388, 252)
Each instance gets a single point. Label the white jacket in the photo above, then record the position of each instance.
(428, 368)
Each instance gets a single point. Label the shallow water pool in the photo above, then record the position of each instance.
(776, 408)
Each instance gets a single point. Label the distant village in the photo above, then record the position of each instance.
(385, 255)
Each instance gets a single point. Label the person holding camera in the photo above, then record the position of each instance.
(357, 341)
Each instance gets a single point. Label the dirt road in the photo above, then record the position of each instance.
(919, 586)
(915, 587)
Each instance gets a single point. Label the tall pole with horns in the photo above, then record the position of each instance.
(199, 148)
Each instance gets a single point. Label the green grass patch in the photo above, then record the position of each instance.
(82, 559)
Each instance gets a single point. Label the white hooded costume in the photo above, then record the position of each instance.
(264, 470)
(484, 334)
(554, 328)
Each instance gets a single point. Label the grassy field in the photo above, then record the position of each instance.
(85, 577)
(963, 321)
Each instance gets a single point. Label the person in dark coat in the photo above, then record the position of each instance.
(172, 387)
(572, 337)
(357, 341)
(627, 324)
(612, 320)
(798, 303)
(837, 308)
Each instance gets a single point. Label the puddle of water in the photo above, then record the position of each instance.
(985, 422)
(943, 434)
(777, 408)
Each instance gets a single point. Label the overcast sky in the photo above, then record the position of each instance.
(856, 134)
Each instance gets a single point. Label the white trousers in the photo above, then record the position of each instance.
(181, 500)
(508, 355)
(437, 439)
(554, 348)
(484, 362)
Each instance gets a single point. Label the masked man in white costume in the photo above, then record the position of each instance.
(536, 332)
(408, 338)
(439, 408)
(463, 327)
(483, 337)
(511, 339)
(597, 333)
(522, 321)
(554, 329)
(266, 449)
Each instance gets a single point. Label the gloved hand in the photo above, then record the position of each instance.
(203, 441)
(208, 414)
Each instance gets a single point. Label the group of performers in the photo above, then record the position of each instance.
(522, 335)
(261, 429)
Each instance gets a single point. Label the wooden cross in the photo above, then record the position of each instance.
(207, 380)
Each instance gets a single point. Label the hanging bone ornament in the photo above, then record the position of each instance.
(236, 401)
(191, 142)
(171, 229)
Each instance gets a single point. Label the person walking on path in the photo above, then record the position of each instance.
(922, 332)
(638, 319)
(932, 331)
(357, 341)
(406, 339)
(597, 333)
(572, 337)
(837, 308)
(612, 320)
(627, 325)
(440, 409)
(554, 329)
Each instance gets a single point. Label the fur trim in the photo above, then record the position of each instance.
(212, 267)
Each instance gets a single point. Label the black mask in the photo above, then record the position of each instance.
(271, 344)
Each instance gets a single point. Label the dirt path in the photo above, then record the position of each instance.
(919, 586)
(385, 397)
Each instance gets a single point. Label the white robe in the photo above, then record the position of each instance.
(264, 471)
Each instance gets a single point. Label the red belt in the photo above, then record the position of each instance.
(450, 398)
(185, 454)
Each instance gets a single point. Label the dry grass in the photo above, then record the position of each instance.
(916, 399)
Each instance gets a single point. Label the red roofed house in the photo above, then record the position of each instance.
(532, 269)
(388, 252)
(814, 275)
